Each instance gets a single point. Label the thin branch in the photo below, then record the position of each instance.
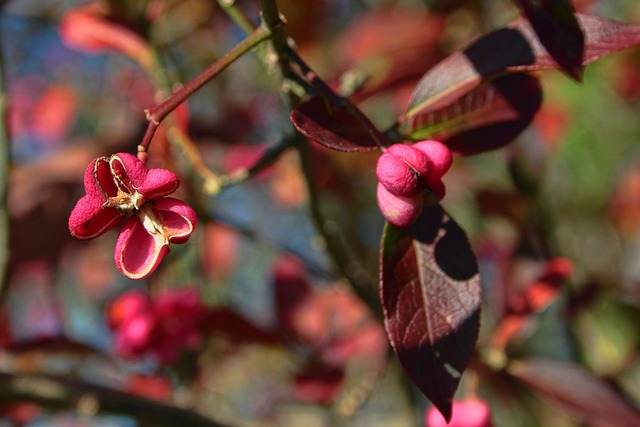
(274, 22)
(350, 268)
(65, 393)
(237, 16)
(159, 112)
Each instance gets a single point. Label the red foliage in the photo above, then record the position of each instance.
(332, 323)
(89, 29)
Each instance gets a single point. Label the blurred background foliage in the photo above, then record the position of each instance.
(569, 186)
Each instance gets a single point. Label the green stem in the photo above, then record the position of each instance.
(4, 183)
(347, 265)
(159, 112)
(237, 16)
(272, 20)
(343, 259)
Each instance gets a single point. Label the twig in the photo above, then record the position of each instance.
(159, 112)
(237, 16)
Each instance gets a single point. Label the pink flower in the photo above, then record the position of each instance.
(408, 173)
(163, 327)
(119, 187)
(131, 316)
(471, 412)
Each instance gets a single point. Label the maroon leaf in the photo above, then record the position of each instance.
(515, 48)
(430, 294)
(335, 126)
(577, 391)
(558, 30)
(489, 116)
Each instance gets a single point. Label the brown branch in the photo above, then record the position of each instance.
(158, 113)
(71, 394)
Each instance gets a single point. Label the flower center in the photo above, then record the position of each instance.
(125, 202)
(150, 221)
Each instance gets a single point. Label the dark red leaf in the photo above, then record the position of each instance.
(430, 294)
(335, 126)
(577, 391)
(515, 48)
(489, 116)
(558, 30)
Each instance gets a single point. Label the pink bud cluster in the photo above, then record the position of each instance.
(407, 174)
(162, 327)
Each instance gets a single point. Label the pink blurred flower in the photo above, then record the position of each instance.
(163, 327)
(120, 185)
(472, 412)
(408, 173)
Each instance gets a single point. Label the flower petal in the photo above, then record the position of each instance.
(98, 179)
(99, 175)
(159, 183)
(151, 183)
(129, 170)
(138, 253)
(89, 219)
(178, 218)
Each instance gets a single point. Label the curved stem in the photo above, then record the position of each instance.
(159, 112)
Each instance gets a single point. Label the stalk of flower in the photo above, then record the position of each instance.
(121, 187)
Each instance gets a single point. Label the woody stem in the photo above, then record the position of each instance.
(158, 113)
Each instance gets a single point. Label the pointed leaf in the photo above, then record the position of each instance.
(335, 126)
(430, 293)
(577, 391)
(515, 48)
(489, 116)
(558, 30)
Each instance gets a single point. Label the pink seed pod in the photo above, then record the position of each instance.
(471, 412)
(402, 170)
(439, 155)
(399, 211)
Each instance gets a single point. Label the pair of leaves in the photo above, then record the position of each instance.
(513, 49)
(469, 100)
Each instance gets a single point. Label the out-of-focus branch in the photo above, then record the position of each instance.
(65, 393)
(4, 182)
